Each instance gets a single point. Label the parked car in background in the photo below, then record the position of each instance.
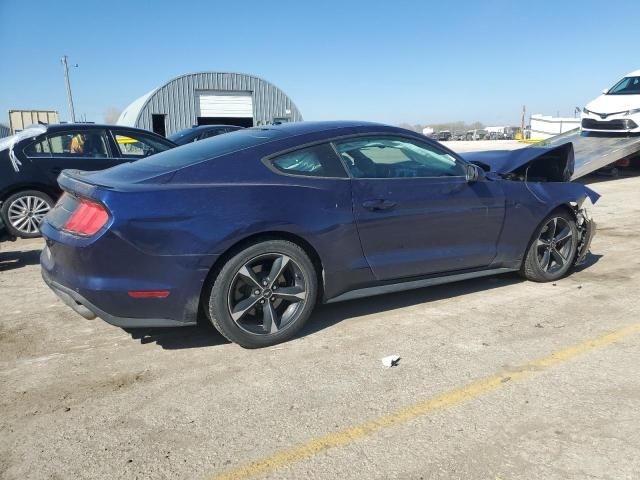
(242, 228)
(200, 132)
(477, 134)
(31, 161)
(444, 135)
(617, 109)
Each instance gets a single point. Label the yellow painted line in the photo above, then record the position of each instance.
(404, 415)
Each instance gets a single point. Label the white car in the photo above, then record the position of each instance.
(617, 109)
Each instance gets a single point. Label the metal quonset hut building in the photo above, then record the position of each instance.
(209, 98)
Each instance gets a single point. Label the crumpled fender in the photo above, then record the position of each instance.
(556, 193)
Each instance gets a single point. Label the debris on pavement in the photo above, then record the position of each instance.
(391, 361)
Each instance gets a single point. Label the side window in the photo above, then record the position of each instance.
(38, 149)
(90, 144)
(316, 161)
(392, 157)
(132, 144)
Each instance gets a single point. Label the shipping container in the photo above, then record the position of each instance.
(20, 119)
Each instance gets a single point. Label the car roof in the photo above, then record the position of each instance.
(303, 128)
(635, 73)
(206, 127)
(61, 127)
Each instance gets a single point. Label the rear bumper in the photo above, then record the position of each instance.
(88, 310)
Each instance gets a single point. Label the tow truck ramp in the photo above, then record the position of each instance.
(594, 152)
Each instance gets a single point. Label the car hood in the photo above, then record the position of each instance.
(614, 103)
(509, 161)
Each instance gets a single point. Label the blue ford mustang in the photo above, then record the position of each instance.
(253, 228)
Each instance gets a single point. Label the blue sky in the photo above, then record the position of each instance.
(401, 61)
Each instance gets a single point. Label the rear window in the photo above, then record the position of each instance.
(213, 147)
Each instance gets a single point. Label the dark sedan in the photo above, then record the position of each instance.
(200, 132)
(31, 161)
(253, 228)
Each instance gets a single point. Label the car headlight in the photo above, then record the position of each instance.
(584, 110)
(632, 112)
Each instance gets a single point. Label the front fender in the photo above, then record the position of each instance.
(554, 194)
(528, 203)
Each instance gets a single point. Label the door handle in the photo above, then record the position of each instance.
(379, 205)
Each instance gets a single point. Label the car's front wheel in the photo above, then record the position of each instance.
(264, 294)
(23, 212)
(553, 248)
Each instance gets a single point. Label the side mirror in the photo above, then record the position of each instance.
(472, 173)
(604, 91)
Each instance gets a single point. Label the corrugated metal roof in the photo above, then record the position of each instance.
(130, 114)
(178, 100)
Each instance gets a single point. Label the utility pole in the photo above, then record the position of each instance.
(65, 64)
(524, 111)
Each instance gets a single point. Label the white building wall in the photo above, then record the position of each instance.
(545, 126)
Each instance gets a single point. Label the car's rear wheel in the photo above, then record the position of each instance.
(23, 212)
(264, 294)
(553, 248)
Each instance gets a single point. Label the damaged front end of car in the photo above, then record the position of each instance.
(586, 231)
(545, 173)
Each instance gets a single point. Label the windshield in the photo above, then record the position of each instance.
(626, 86)
(213, 147)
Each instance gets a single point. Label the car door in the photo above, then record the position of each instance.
(71, 149)
(133, 145)
(415, 211)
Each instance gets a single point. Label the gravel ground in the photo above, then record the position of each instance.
(83, 399)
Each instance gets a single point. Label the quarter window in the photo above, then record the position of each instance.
(389, 157)
(316, 161)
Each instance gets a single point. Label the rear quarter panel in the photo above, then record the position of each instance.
(206, 219)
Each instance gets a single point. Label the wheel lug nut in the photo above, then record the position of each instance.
(262, 301)
(274, 287)
(256, 292)
(264, 283)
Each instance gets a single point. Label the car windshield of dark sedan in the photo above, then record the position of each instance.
(626, 86)
(207, 149)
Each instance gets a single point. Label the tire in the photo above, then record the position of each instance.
(553, 248)
(23, 212)
(252, 309)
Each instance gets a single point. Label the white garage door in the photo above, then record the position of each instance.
(223, 104)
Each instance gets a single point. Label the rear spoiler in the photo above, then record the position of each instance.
(70, 182)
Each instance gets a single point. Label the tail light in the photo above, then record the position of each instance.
(88, 218)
